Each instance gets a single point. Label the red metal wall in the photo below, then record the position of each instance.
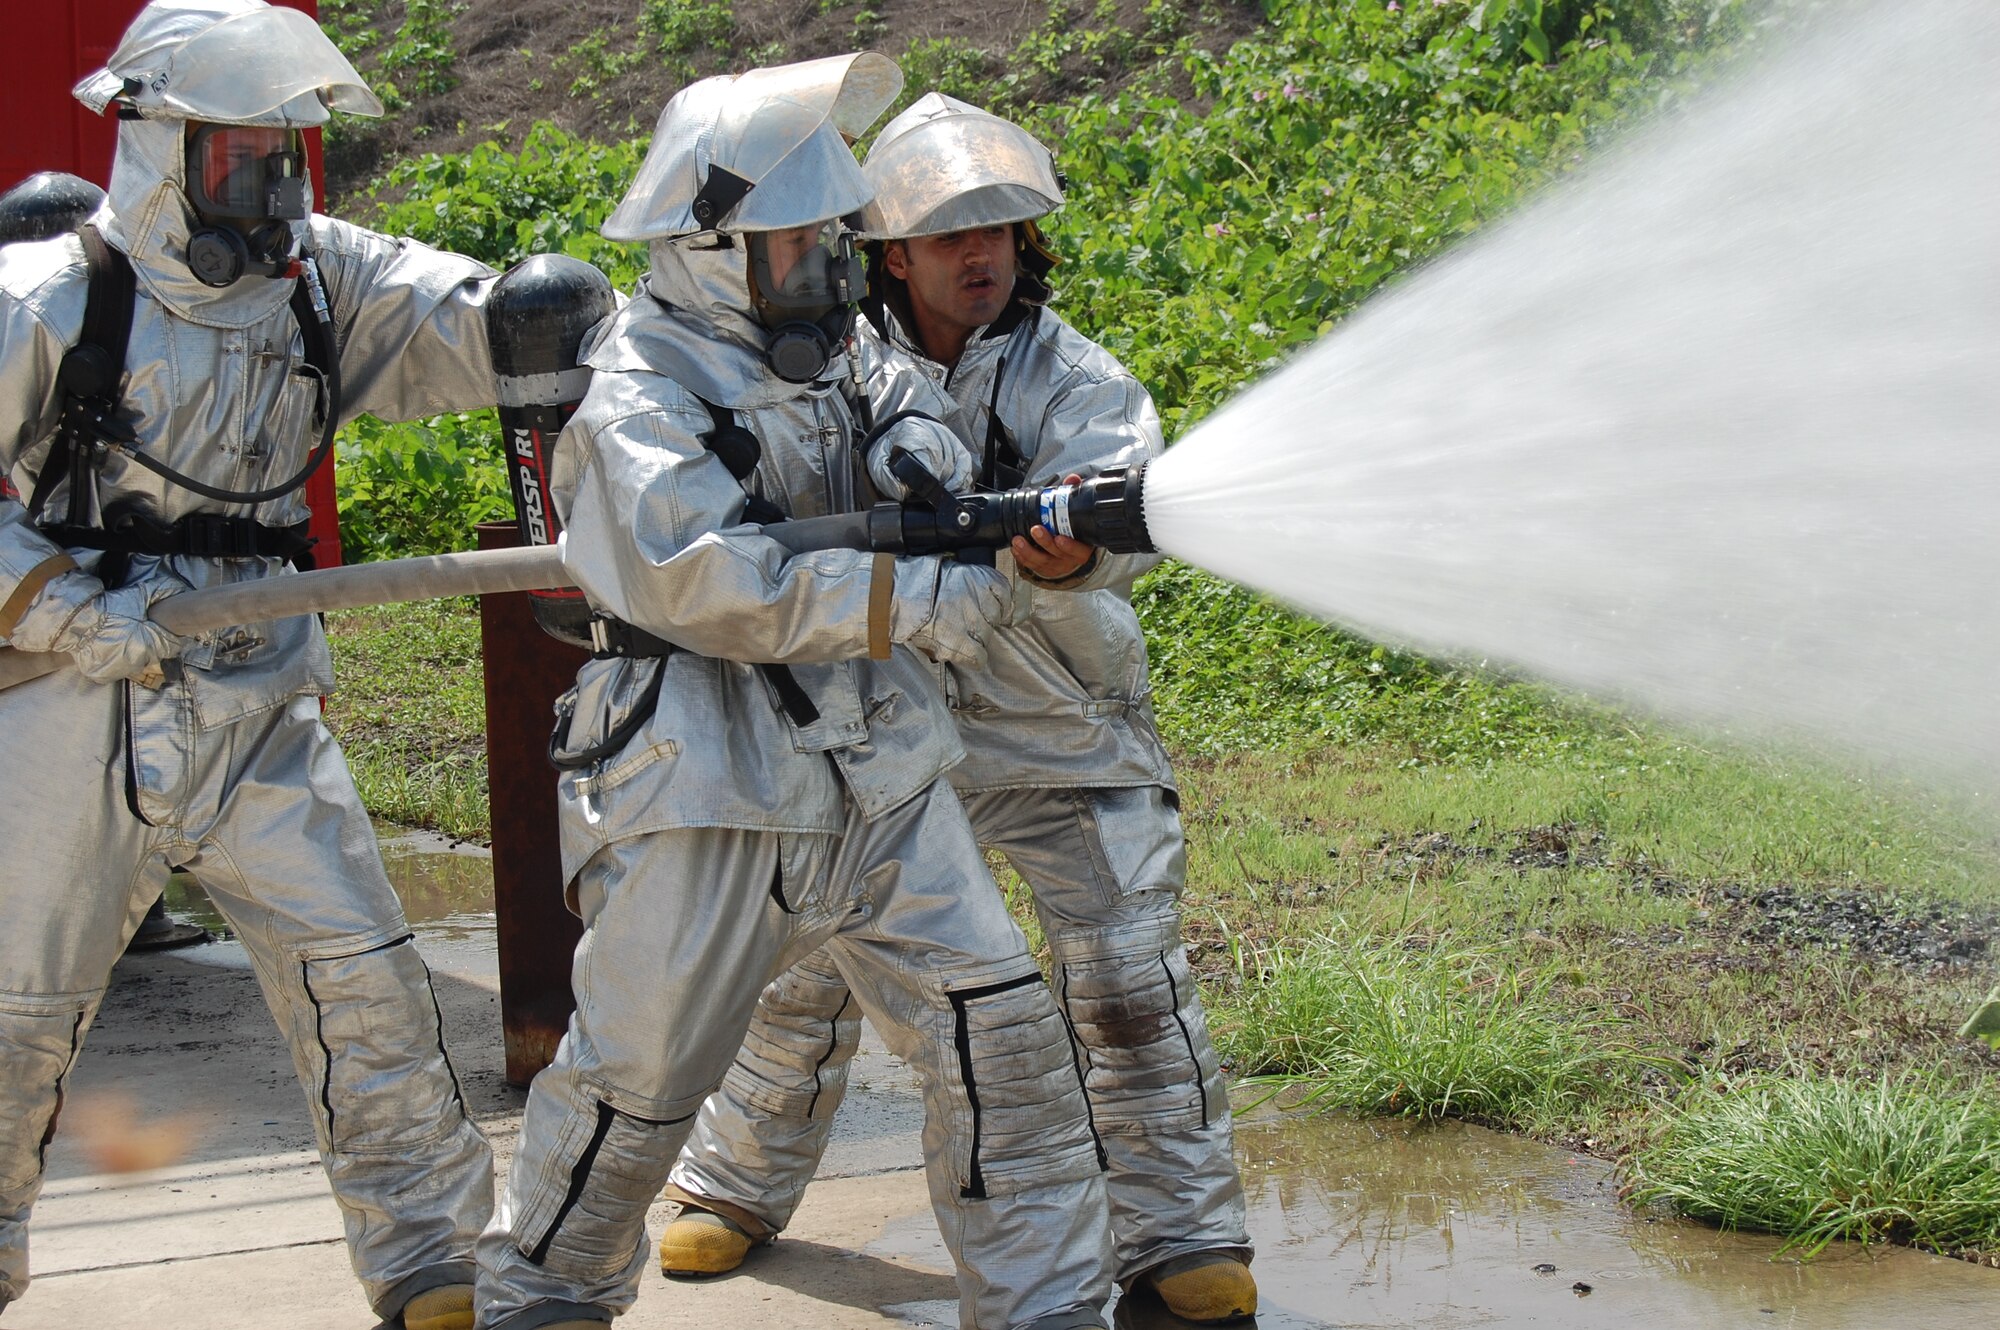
(43, 128)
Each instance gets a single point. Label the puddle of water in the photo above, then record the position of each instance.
(1373, 1224)
(446, 888)
(1377, 1223)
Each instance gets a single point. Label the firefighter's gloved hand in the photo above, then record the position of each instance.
(930, 442)
(105, 632)
(947, 609)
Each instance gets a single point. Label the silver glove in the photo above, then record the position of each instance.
(946, 609)
(105, 632)
(930, 442)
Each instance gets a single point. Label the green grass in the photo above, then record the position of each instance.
(1375, 1026)
(1902, 1159)
(410, 712)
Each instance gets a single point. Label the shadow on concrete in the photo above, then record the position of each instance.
(845, 1278)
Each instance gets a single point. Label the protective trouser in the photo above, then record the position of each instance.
(262, 811)
(683, 928)
(1105, 867)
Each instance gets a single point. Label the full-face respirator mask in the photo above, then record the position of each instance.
(247, 184)
(804, 284)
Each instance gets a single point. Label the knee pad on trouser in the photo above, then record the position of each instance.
(794, 1057)
(1148, 1063)
(1029, 1124)
(39, 1040)
(583, 1217)
(412, 1174)
(760, 1136)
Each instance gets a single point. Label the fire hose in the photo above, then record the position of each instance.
(1107, 510)
(472, 573)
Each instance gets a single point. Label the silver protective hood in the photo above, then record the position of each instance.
(231, 62)
(945, 165)
(149, 217)
(782, 133)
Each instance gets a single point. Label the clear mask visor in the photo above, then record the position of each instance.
(803, 272)
(255, 172)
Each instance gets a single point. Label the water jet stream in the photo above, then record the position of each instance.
(1712, 429)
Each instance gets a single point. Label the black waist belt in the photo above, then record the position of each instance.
(614, 639)
(202, 535)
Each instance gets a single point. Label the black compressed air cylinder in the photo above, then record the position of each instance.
(47, 203)
(537, 318)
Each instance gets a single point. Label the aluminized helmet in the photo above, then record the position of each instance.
(944, 165)
(227, 62)
(762, 151)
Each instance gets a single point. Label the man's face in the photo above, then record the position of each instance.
(785, 249)
(960, 279)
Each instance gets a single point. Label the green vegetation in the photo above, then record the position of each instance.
(1413, 887)
(1373, 1026)
(1904, 1159)
(411, 713)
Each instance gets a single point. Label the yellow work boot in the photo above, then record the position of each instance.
(701, 1243)
(447, 1307)
(1205, 1287)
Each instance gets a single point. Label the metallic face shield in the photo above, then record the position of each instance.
(255, 172)
(236, 62)
(944, 166)
(765, 151)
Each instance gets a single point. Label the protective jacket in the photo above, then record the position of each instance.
(217, 390)
(1064, 700)
(655, 534)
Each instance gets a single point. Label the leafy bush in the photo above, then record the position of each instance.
(677, 27)
(500, 206)
(1205, 241)
(419, 488)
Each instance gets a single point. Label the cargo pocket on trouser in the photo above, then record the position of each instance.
(385, 1084)
(1148, 1063)
(611, 1182)
(1134, 841)
(1030, 1126)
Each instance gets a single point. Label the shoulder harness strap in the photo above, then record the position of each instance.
(738, 449)
(91, 372)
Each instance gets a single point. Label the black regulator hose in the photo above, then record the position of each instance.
(1108, 511)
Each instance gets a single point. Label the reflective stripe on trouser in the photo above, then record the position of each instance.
(682, 930)
(263, 813)
(1106, 868)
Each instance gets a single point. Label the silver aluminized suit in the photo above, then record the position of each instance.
(226, 770)
(1065, 776)
(725, 838)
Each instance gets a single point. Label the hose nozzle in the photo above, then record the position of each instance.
(1108, 511)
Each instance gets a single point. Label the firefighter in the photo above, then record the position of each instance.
(1064, 773)
(160, 444)
(753, 760)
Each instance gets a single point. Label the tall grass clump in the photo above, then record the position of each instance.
(1374, 1026)
(1903, 1159)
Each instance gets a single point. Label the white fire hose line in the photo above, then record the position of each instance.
(472, 573)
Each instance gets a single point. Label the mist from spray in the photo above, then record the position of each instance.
(1713, 428)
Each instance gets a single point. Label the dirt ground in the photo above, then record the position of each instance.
(503, 47)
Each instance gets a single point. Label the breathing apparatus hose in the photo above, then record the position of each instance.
(1108, 511)
(315, 323)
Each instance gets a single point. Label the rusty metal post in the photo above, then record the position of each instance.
(525, 671)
